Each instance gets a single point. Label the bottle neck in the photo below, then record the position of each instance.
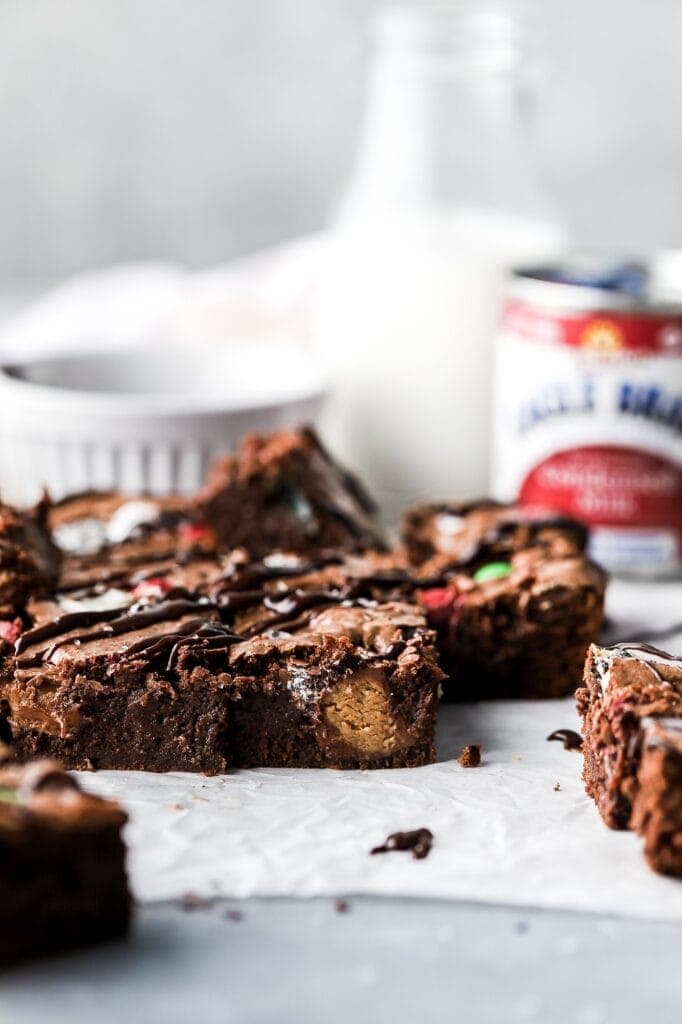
(446, 125)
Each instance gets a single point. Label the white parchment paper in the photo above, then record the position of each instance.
(503, 832)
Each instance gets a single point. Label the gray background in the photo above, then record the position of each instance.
(380, 962)
(198, 129)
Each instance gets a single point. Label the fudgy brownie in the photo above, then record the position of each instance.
(657, 813)
(105, 536)
(467, 535)
(623, 685)
(29, 561)
(62, 863)
(285, 491)
(518, 628)
(230, 662)
(139, 688)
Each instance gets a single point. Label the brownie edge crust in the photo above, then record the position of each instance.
(657, 814)
(623, 685)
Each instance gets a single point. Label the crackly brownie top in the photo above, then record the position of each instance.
(106, 536)
(537, 587)
(465, 535)
(293, 642)
(236, 581)
(300, 496)
(635, 677)
(234, 606)
(148, 632)
(41, 792)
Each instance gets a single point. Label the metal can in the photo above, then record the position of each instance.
(588, 408)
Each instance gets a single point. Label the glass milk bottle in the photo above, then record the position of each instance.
(444, 197)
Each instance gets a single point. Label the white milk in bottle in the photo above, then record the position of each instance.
(442, 202)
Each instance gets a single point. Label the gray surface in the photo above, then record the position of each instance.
(383, 960)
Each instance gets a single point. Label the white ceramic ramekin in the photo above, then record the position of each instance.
(143, 420)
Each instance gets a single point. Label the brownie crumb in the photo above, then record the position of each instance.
(470, 757)
(419, 842)
(571, 740)
(521, 927)
(557, 787)
(233, 915)
(342, 906)
(191, 902)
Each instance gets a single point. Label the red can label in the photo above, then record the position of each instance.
(589, 422)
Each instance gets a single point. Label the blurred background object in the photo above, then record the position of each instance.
(445, 197)
(199, 131)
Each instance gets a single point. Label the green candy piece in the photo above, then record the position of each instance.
(492, 571)
(8, 794)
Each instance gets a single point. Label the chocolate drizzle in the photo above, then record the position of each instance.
(194, 634)
(63, 624)
(111, 624)
(269, 611)
(651, 656)
(645, 652)
(289, 605)
(248, 573)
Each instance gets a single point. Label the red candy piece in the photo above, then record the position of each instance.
(10, 631)
(190, 532)
(155, 586)
(438, 598)
(439, 603)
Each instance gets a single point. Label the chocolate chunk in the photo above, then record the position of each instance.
(571, 740)
(470, 757)
(419, 842)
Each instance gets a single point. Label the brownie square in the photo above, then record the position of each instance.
(520, 631)
(517, 604)
(231, 662)
(62, 863)
(138, 688)
(467, 535)
(106, 536)
(657, 813)
(286, 491)
(352, 687)
(623, 685)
